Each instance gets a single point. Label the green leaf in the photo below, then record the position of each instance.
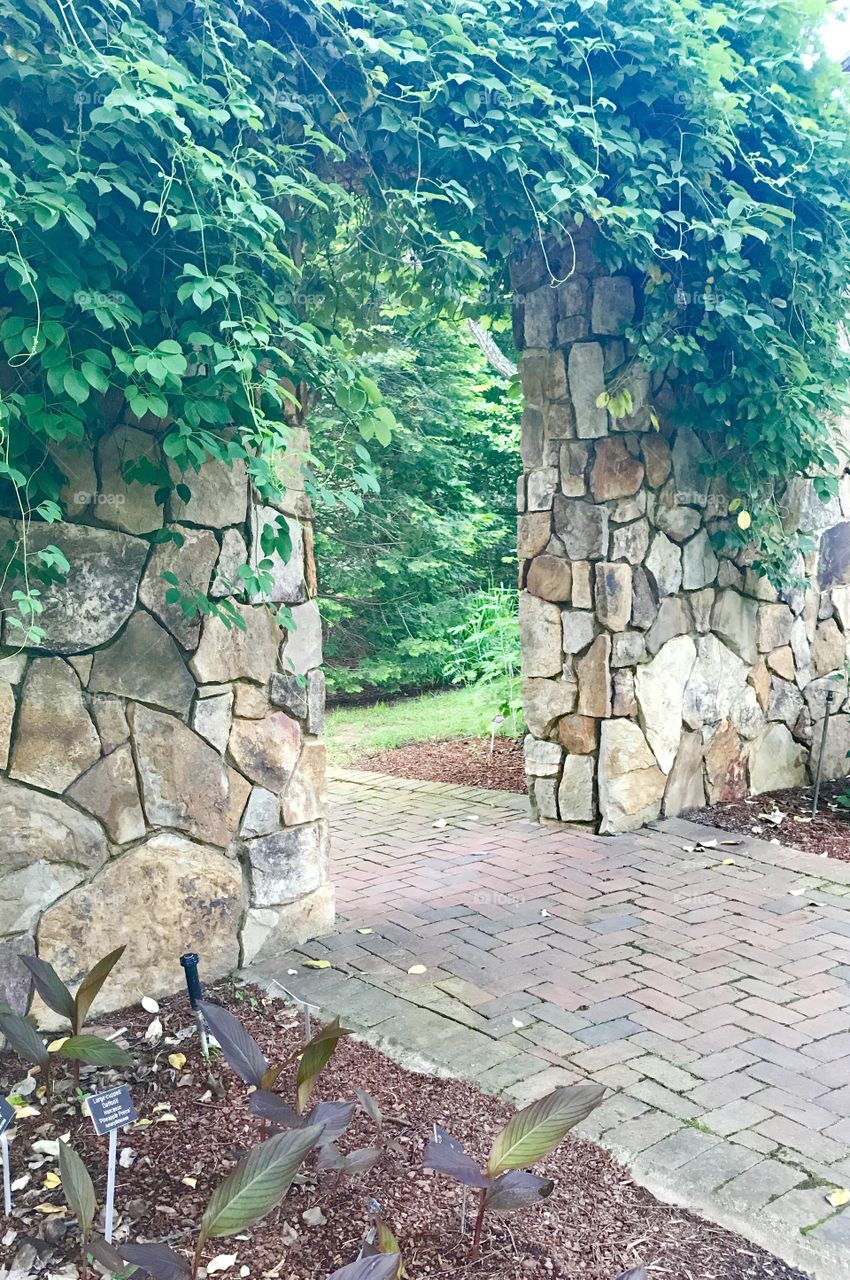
(239, 1047)
(91, 985)
(24, 1039)
(156, 1260)
(517, 1190)
(76, 386)
(94, 376)
(315, 1057)
(533, 1132)
(381, 1266)
(77, 1187)
(95, 1051)
(50, 987)
(257, 1183)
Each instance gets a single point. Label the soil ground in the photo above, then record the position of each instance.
(467, 762)
(194, 1125)
(784, 817)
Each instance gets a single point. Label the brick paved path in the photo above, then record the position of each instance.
(709, 988)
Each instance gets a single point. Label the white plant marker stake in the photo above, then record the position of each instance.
(110, 1185)
(7, 1182)
(304, 1005)
(110, 1111)
(7, 1118)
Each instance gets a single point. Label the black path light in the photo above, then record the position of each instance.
(189, 961)
(829, 699)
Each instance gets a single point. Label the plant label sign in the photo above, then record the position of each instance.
(7, 1115)
(112, 1109)
(7, 1118)
(109, 1112)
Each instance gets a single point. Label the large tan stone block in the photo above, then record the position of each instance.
(165, 897)
(631, 785)
(55, 740)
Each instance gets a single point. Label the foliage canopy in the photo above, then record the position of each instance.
(400, 575)
(201, 202)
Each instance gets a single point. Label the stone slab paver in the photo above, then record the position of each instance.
(698, 984)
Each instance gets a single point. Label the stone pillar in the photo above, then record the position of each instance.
(659, 671)
(162, 775)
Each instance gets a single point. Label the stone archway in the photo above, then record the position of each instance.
(164, 777)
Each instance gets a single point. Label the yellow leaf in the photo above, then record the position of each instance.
(728, 862)
(190, 1182)
(418, 968)
(317, 964)
(142, 1124)
(365, 930)
(50, 1208)
(25, 1111)
(51, 1181)
(56, 1045)
(177, 1060)
(744, 519)
(839, 1197)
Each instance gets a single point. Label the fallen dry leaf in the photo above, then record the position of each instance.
(839, 1197)
(317, 964)
(177, 1060)
(418, 968)
(223, 1262)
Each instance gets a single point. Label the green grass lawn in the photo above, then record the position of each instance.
(466, 712)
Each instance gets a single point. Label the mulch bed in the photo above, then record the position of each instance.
(595, 1225)
(784, 817)
(464, 761)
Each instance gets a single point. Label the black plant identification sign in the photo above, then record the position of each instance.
(7, 1115)
(112, 1109)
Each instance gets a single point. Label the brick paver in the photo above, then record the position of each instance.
(704, 980)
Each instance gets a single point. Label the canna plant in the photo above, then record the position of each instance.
(250, 1191)
(28, 1044)
(244, 1055)
(57, 996)
(240, 1049)
(78, 1190)
(505, 1184)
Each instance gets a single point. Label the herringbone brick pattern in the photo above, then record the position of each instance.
(708, 984)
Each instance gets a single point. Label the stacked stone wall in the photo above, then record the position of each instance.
(659, 672)
(162, 775)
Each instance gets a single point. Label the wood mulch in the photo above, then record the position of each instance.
(784, 817)
(465, 761)
(195, 1125)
